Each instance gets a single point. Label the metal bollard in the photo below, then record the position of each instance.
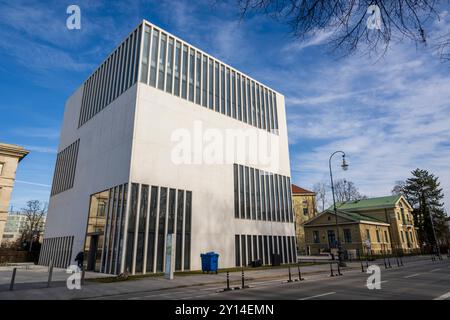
(398, 262)
(401, 261)
(13, 279)
(367, 263)
(228, 282)
(299, 273)
(362, 266)
(243, 280)
(290, 276)
(389, 262)
(385, 264)
(331, 270)
(50, 274)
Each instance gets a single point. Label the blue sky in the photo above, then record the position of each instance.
(390, 115)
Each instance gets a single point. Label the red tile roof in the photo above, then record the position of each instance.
(297, 190)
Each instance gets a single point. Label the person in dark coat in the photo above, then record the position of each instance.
(79, 259)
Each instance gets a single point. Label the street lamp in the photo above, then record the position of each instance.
(344, 167)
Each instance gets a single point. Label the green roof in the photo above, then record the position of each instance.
(354, 216)
(372, 203)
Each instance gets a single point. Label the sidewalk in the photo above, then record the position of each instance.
(31, 284)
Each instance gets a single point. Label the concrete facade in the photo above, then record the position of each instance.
(131, 142)
(10, 156)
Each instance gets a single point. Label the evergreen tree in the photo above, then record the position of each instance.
(424, 194)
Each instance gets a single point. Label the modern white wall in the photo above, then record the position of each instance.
(103, 162)
(158, 115)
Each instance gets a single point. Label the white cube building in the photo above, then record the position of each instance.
(165, 139)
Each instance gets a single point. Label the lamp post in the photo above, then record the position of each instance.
(344, 166)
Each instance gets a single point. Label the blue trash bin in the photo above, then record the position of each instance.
(210, 262)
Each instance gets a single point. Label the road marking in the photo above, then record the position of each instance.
(318, 296)
(443, 297)
(435, 270)
(412, 275)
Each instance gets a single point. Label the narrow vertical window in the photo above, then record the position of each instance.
(266, 250)
(258, 107)
(233, 94)
(262, 104)
(205, 82)
(258, 195)
(236, 191)
(260, 248)
(179, 231)
(216, 87)
(239, 105)
(249, 249)
(170, 66)
(289, 190)
(228, 93)
(152, 228)
(131, 226)
(162, 62)
(161, 229)
(266, 110)
(222, 89)
(275, 111)
(255, 248)
(176, 88)
(187, 231)
(273, 198)
(241, 191)
(272, 122)
(263, 197)
(244, 101)
(277, 197)
(171, 216)
(141, 229)
(184, 73)
(244, 250)
(252, 182)
(191, 74)
(269, 203)
(154, 58)
(237, 250)
(211, 84)
(251, 120)
(145, 55)
(247, 194)
(198, 79)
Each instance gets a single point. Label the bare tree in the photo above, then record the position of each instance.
(398, 187)
(320, 189)
(346, 21)
(346, 191)
(35, 212)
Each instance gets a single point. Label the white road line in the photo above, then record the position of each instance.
(317, 296)
(434, 270)
(443, 297)
(412, 275)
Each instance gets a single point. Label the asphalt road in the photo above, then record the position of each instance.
(425, 280)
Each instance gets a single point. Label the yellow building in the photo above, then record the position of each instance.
(359, 234)
(304, 205)
(395, 211)
(10, 156)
